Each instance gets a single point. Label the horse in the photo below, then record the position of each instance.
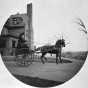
(52, 49)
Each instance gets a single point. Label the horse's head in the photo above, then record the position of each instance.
(60, 43)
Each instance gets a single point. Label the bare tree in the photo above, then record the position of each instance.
(82, 25)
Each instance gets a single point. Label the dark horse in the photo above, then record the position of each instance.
(52, 49)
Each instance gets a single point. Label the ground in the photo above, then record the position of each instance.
(60, 72)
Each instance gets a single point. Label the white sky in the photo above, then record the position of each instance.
(51, 19)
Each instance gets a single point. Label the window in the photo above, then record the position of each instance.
(13, 43)
(17, 20)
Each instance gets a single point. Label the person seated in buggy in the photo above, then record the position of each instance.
(22, 48)
(22, 52)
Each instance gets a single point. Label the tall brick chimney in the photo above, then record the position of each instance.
(29, 10)
(29, 31)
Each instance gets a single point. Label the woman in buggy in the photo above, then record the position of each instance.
(22, 51)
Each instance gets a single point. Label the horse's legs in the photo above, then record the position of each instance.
(60, 56)
(45, 59)
(43, 54)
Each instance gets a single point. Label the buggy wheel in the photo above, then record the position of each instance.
(30, 59)
(21, 60)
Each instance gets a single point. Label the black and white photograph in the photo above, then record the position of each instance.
(45, 42)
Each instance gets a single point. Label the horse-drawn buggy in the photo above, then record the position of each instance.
(24, 56)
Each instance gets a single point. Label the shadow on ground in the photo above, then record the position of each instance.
(37, 82)
(50, 60)
(13, 63)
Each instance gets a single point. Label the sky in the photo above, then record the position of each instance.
(54, 18)
(51, 20)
